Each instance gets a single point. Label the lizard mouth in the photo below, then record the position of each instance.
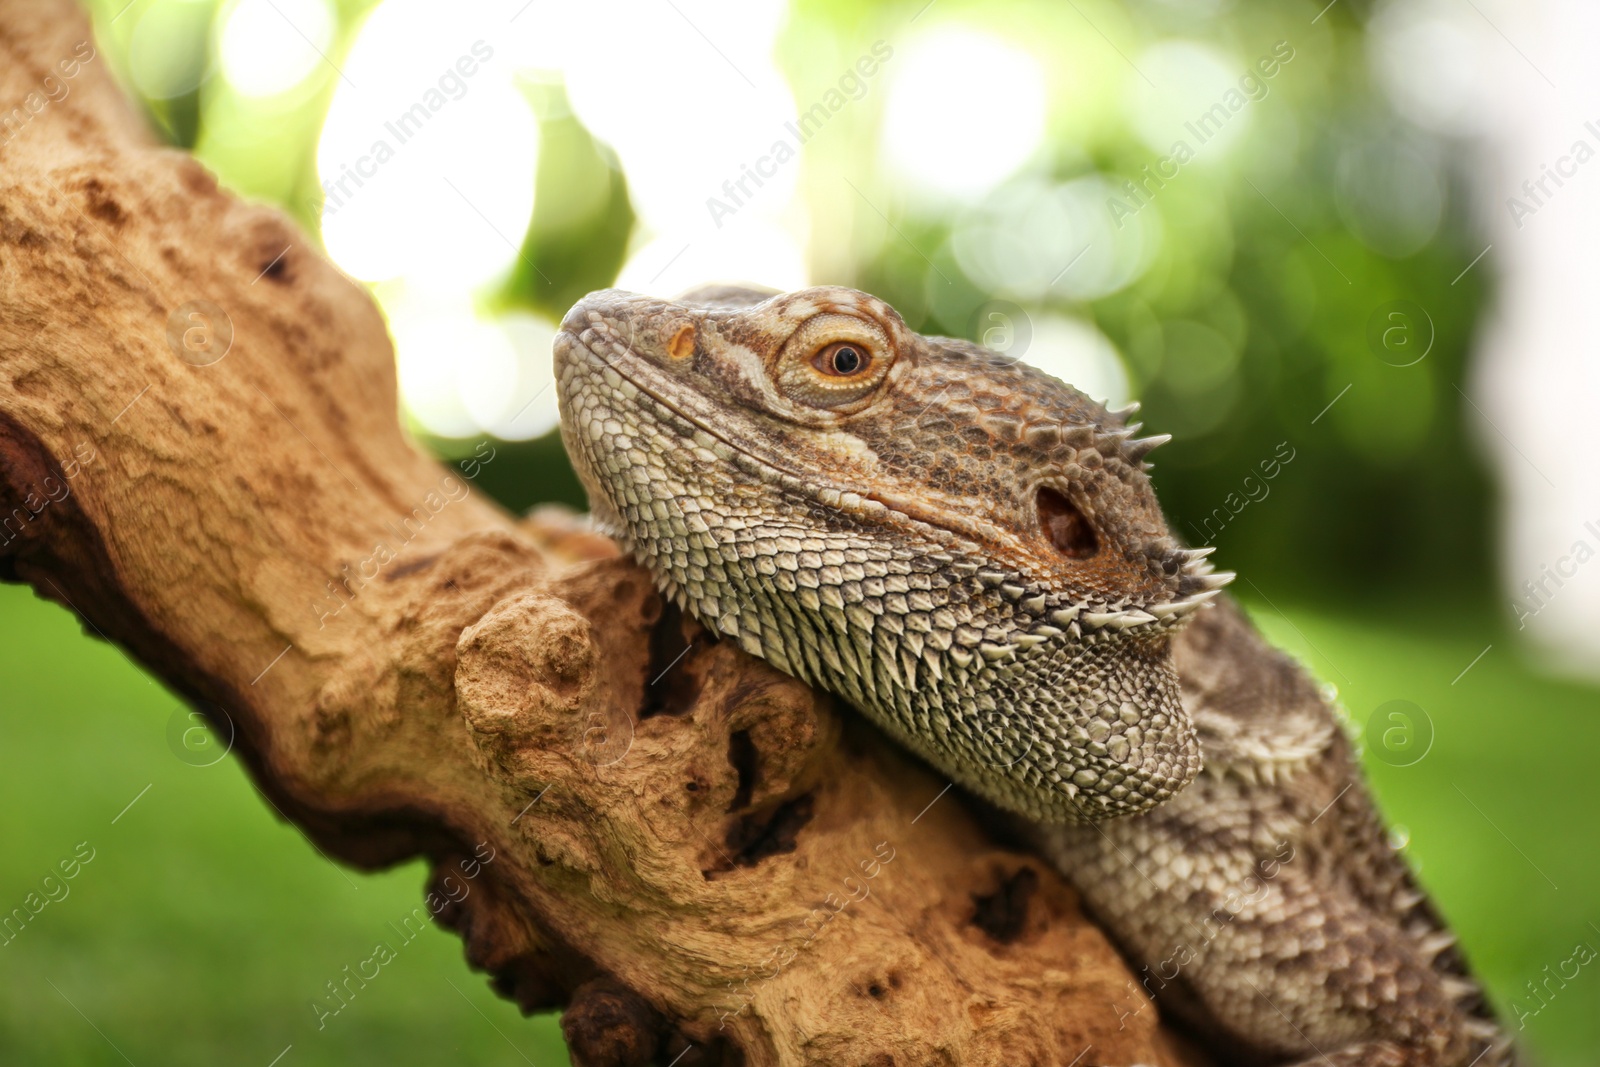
(679, 406)
(603, 349)
(869, 505)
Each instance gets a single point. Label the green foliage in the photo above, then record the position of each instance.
(205, 927)
(578, 236)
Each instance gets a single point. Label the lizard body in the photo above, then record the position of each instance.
(969, 552)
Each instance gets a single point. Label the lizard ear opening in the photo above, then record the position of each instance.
(1066, 526)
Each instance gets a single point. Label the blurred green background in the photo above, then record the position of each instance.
(1292, 295)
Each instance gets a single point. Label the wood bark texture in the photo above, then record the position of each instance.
(701, 859)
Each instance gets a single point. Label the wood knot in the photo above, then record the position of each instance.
(609, 1025)
(524, 667)
(103, 203)
(1003, 914)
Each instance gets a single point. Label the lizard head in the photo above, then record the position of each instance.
(964, 548)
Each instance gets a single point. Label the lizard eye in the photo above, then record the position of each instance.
(834, 362)
(842, 359)
(1066, 527)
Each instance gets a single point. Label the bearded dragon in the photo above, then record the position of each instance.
(969, 552)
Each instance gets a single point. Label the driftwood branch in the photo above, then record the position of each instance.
(200, 455)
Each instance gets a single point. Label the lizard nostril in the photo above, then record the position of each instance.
(682, 344)
(1065, 525)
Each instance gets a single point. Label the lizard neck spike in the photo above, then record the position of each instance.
(1115, 437)
(1140, 447)
(1113, 442)
(1125, 413)
(1077, 436)
(1132, 449)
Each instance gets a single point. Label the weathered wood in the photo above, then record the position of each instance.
(699, 852)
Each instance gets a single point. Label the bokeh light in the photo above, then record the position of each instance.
(1192, 79)
(753, 252)
(1431, 63)
(165, 56)
(270, 46)
(710, 66)
(427, 166)
(965, 110)
(1076, 352)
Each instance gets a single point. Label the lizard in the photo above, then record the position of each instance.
(970, 553)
